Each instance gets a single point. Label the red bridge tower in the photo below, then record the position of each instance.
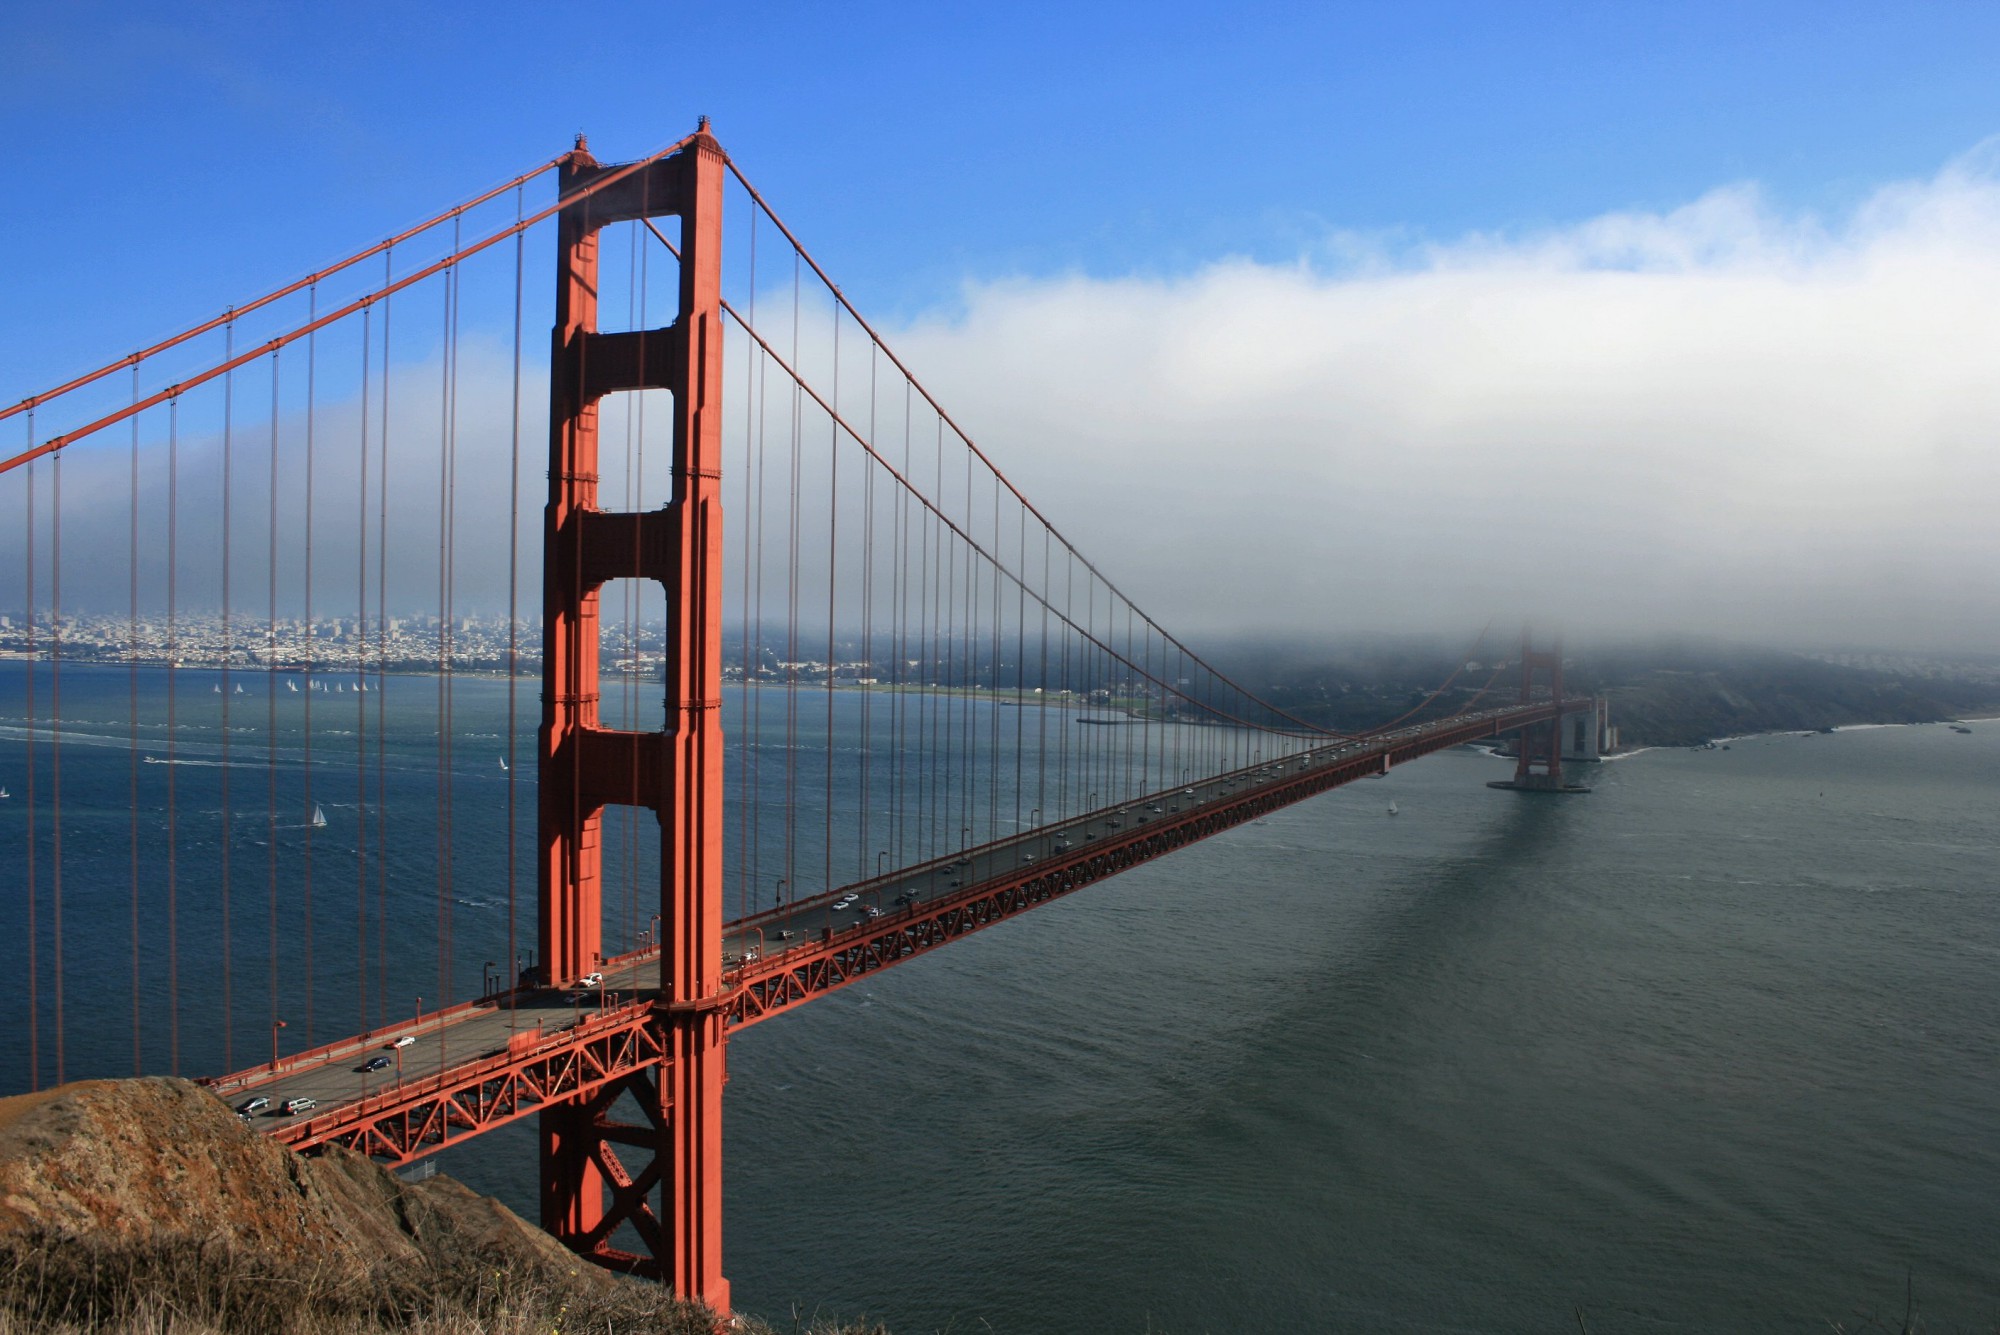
(587, 1190)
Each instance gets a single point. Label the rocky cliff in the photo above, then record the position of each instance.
(146, 1205)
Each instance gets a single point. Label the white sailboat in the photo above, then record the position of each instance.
(503, 764)
(3, 792)
(292, 687)
(319, 817)
(1392, 807)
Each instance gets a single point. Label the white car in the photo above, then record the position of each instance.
(845, 902)
(590, 980)
(404, 1041)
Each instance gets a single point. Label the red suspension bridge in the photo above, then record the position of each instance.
(940, 713)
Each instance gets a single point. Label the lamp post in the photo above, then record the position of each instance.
(486, 980)
(878, 862)
(778, 894)
(276, 1025)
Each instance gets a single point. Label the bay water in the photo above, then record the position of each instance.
(1710, 1047)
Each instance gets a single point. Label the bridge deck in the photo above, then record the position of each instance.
(480, 1064)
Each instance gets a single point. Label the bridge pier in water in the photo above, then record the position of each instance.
(587, 1191)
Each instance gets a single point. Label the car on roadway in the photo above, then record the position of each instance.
(579, 998)
(292, 1107)
(872, 912)
(845, 902)
(590, 980)
(404, 1041)
(376, 1063)
(251, 1107)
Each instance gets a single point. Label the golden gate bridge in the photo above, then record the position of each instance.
(941, 713)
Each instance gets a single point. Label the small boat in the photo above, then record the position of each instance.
(319, 817)
(292, 687)
(217, 688)
(4, 793)
(503, 764)
(1956, 727)
(239, 688)
(1392, 808)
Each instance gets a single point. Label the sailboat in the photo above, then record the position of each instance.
(503, 764)
(3, 792)
(319, 817)
(217, 688)
(239, 688)
(1392, 808)
(292, 687)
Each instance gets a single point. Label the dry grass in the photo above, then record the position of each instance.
(60, 1286)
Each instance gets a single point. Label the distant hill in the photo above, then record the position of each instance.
(1671, 692)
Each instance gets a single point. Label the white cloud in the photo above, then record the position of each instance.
(1719, 418)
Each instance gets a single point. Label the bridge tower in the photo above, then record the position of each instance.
(1538, 768)
(587, 1190)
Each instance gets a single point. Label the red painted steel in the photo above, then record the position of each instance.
(531, 1074)
(586, 1191)
(1541, 745)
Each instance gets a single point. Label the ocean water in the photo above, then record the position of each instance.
(1710, 1047)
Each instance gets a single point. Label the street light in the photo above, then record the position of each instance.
(878, 862)
(486, 986)
(653, 931)
(778, 895)
(276, 1025)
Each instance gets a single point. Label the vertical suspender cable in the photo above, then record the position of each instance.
(306, 881)
(381, 680)
(440, 833)
(55, 752)
(271, 713)
(173, 732)
(356, 650)
(222, 775)
(34, 937)
(132, 741)
(832, 561)
(514, 586)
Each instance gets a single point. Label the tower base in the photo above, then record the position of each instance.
(1537, 783)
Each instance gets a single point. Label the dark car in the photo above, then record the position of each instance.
(377, 1063)
(251, 1107)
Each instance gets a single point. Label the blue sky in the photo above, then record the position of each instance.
(166, 157)
(1730, 273)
